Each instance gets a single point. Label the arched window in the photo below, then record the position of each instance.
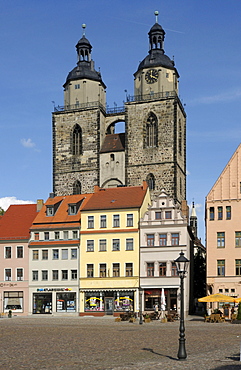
(150, 179)
(180, 138)
(77, 141)
(151, 131)
(77, 187)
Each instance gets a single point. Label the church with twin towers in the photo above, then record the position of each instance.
(87, 151)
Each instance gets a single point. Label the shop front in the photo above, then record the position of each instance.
(107, 302)
(54, 300)
(152, 297)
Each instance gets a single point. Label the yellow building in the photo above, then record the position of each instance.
(109, 251)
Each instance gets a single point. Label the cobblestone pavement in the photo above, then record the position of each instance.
(101, 343)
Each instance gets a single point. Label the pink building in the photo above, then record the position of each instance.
(14, 237)
(223, 230)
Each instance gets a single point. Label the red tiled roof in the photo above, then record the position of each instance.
(116, 198)
(113, 143)
(61, 217)
(17, 220)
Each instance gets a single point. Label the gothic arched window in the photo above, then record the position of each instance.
(77, 187)
(151, 131)
(77, 141)
(150, 179)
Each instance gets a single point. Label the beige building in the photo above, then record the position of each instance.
(223, 230)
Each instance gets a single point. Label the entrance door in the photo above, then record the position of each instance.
(109, 305)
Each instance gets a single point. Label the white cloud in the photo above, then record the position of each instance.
(218, 98)
(188, 173)
(5, 202)
(28, 143)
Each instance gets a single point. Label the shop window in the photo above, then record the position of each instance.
(90, 222)
(116, 269)
(42, 303)
(35, 254)
(74, 253)
(103, 270)
(90, 245)
(221, 267)
(174, 269)
(56, 235)
(64, 254)
(102, 245)
(221, 240)
(19, 251)
(162, 268)
(238, 267)
(150, 240)
(103, 221)
(46, 235)
(19, 274)
(35, 275)
(158, 215)
(45, 254)
(8, 274)
(55, 254)
(237, 238)
(44, 275)
(129, 269)
(175, 239)
(168, 215)
(163, 240)
(116, 244)
(90, 270)
(220, 213)
(36, 236)
(66, 302)
(55, 274)
(13, 301)
(8, 252)
(73, 274)
(75, 234)
(66, 235)
(150, 268)
(116, 221)
(211, 213)
(64, 274)
(129, 244)
(129, 220)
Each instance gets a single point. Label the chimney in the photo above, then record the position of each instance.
(40, 204)
(185, 209)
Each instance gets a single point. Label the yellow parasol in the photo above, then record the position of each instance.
(217, 298)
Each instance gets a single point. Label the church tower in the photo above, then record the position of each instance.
(156, 124)
(78, 128)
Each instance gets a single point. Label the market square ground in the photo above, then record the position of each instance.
(101, 343)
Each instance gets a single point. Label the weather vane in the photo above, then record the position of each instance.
(156, 14)
(84, 27)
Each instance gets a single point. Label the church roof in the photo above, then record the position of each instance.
(113, 143)
(17, 220)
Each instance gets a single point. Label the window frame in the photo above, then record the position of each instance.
(162, 268)
(90, 270)
(129, 220)
(103, 221)
(163, 240)
(102, 245)
(116, 220)
(220, 239)
(90, 245)
(115, 245)
(221, 267)
(19, 251)
(150, 269)
(91, 222)
(8, 252)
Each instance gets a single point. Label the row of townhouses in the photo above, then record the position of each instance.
(92, 254)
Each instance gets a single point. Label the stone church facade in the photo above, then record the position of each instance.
(88, 152)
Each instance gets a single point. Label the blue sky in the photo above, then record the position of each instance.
(38, 41)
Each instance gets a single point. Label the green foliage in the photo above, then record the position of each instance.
(1, 211)
(239, 311)
(199, 280)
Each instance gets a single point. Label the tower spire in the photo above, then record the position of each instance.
(156, 14)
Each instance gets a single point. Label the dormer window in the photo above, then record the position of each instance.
(72, 209)
(50, 210)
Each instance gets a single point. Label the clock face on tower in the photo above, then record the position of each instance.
(151, 76)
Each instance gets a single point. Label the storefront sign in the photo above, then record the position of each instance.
(8, 284)
(54, 289)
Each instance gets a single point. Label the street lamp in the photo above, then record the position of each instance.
(140, 305)
(182, 265)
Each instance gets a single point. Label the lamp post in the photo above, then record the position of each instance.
(182, 265)
(140, 305)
